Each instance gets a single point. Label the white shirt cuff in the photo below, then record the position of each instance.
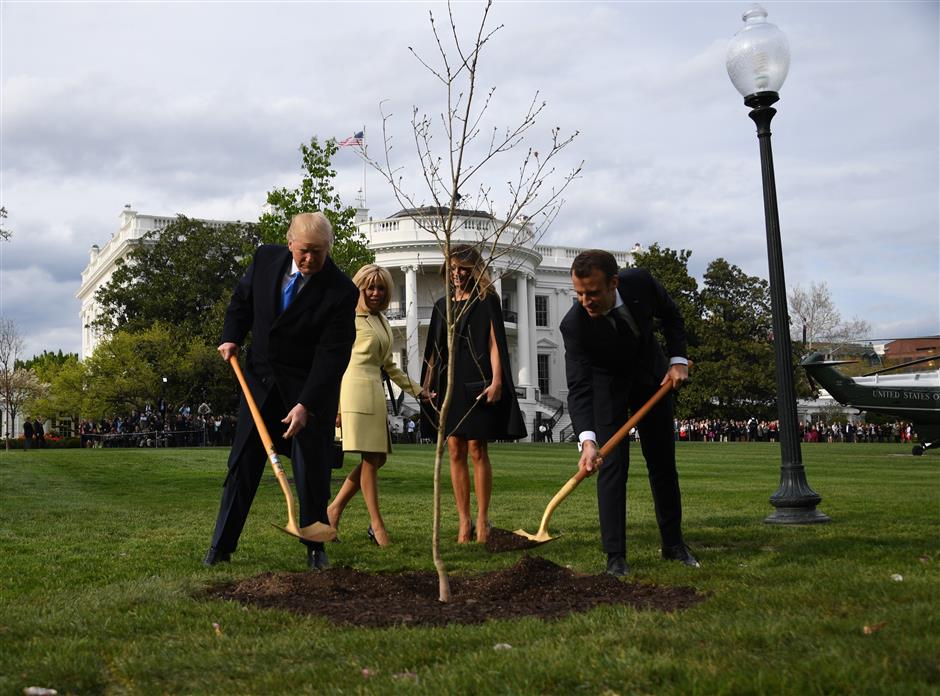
(678, 361)
(586, 435)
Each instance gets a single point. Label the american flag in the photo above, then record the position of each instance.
(354, 141)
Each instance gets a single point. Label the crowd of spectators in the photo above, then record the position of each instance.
(200, 427)
(753, 430)
(188, 427)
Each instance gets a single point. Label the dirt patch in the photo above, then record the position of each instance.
(532, 587)
(501, 540)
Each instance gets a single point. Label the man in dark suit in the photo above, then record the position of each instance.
(614, 364)
(300, 309)
(27, 433)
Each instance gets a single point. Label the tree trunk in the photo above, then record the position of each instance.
(442, 578)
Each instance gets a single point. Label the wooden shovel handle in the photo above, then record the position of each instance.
(608, 447)
(268, 445)
(625, 429)
(253, 407)
(635, 418)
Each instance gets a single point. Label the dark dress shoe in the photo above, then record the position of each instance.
(371, 533)
(617, 565)
(317, 559)
(680, 552)
(213, 556)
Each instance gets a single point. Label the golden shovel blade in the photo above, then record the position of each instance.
(312, 532)
(540, 537)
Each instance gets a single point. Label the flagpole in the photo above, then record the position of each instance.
(365, 154)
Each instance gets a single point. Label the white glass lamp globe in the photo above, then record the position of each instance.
(758, 55)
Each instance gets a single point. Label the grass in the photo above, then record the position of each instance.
(100, 569)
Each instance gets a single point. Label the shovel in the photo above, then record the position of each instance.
(542, 536)
(312, 532)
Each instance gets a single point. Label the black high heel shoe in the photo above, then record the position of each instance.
(371, 533)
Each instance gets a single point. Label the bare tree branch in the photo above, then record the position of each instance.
(529, 204)
(814, 314)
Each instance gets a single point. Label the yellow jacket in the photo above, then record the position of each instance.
(362, 395)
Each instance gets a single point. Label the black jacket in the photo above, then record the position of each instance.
(304, 351)
(602, 365)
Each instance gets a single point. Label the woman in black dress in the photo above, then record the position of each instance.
(484, 405)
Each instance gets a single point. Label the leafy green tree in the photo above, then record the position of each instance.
(63, 377)
(182, 275)
(46, 363)
(315, 193)
(126, 372)
(52, 399)
(735, 371)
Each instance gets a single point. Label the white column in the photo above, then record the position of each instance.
(498, 283)
(522, 333)
(533, 334)
(411, 322)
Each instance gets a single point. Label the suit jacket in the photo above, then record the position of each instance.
(602, 365)
(302, 352)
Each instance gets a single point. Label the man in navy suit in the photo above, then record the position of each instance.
(300, 310)
(614, 364)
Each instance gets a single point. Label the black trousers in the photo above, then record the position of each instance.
(308, 451)
(659, 449)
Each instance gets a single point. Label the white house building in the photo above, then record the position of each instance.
(102, 262)
(533, 280)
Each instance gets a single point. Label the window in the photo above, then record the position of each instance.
(544, 381)
(541, 310)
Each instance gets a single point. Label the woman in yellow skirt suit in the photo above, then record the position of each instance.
(363, 414)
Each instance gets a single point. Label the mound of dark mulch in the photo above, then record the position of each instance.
(500, 540)
(532, 587)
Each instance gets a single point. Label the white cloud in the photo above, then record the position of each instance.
(199, 108)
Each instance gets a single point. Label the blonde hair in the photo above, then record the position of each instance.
(466, 255)
(366, 276)
(304, 226)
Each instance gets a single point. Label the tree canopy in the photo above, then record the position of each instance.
(126, 373)
(729, 329)
(182, 275)
(815, 319)
(315, 193)
(735, 373)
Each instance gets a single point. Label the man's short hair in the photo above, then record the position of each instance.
(587, 262)
(305, 226)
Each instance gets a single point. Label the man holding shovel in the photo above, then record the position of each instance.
(614, 364)
(300, 310)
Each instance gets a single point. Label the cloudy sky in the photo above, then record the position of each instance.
(199, 107)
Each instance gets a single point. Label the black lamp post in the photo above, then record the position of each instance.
(758, 60)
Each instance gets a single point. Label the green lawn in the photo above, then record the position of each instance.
(100, 556)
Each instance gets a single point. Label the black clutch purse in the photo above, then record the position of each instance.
(336, 452)
(474, 389)
(336, 455)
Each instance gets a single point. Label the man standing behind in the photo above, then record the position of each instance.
(39, 433)
(27, 433)
(614, 364)
(300, 309)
